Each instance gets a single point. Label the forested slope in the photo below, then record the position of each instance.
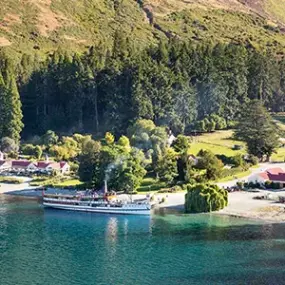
(97, 66)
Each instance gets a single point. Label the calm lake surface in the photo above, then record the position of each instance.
(54, 247)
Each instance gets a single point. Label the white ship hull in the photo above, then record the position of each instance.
(106, 210)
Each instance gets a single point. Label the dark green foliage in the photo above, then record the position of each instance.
(181, 144)
(49, 138)
(8, 145)
(121, 166)
(202, 198)
(29, 149)
(209, 162)
(211, 123)
(166, 166)
(220, 123)
(253, 160)
(88, 161)
(238, 160)
(257, 129)
(175, 84)
(272, 185)
(10, 105)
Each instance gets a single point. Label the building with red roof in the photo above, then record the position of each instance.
(24, 165)
(48, 165)
(5, 164)
(64, 167)
(276, 175)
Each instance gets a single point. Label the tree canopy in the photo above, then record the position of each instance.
(202, 198)
(177, 84)
(257, 128)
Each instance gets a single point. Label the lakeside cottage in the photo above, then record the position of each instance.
(5, 165)
(24, 165)
(276, 175)
(48, 165)
(64, 167)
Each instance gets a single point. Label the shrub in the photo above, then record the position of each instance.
(8, 145)
(74, 167)
(267, 184)
(252, 185)
(49, 138)
(11, 180)
(210, 163)
(225, 159)
(240, 184)
(29, 149)
(252, 160)
(238, 160)
(220, 123)
(200, 126)
(237, 147)
(205, 198)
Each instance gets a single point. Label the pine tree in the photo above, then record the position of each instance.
(257, 129)
(13, 119)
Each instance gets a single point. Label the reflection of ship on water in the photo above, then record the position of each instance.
(106, 202)
(112, 230)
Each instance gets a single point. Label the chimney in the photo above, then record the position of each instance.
(105, 187)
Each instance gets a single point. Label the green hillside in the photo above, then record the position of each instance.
(48, 24)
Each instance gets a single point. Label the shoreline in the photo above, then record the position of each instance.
(22, 189)
(241, 204)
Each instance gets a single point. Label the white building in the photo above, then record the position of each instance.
(5, 165)
(64, 167)
(276, 175)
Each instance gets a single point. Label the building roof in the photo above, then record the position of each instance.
(276, 170)
(2, 162)
(273, 174)
(264, 175)
(45, 164)
(21, 163)
(63, 163)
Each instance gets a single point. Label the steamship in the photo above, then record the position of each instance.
(106, 202)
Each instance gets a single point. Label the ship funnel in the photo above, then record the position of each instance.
(105, 187)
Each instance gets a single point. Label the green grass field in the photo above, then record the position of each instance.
(220, 142)
(56, 182)
(150, 185)
(237, 175)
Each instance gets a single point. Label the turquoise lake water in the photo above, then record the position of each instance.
(52, 247)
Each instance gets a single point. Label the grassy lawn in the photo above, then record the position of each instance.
(150, 185)
(55, 182)
(69, 183)
(235, 176)
(279, 156)
(219, 142)
(11, 180)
